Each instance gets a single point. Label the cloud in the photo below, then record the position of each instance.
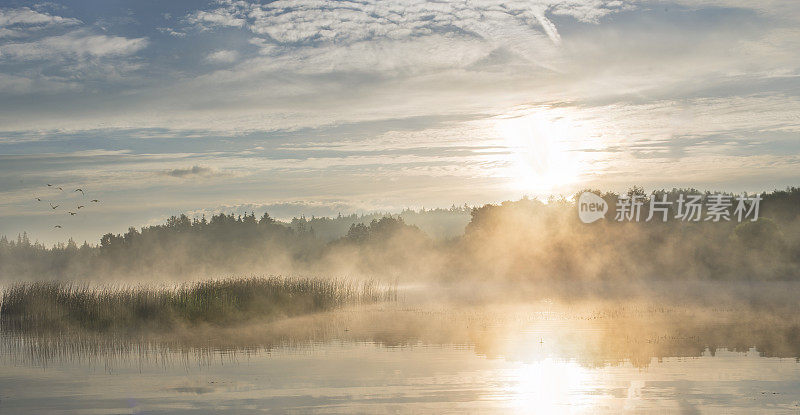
(21, 85)
(222, 56)
(41, 53)
(22, 22)
(86, 154)
(194, 171)
(77, 44)
(315, 21)
(220, 17)
(548, 26)
(172, 32)
(25, 18)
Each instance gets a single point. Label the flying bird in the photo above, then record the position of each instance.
(60, 189)
(94, 200)
(72, 213)
(80, 206)
(49, 185)
(57, 226)
(38, 199)
(51, 205)
(80, 190)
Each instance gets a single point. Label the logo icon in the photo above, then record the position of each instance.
(591, 207)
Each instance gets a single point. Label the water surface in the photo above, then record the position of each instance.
(400, 359)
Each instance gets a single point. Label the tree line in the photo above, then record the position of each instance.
(524, 240)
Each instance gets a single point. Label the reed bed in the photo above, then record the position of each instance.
(59, 305)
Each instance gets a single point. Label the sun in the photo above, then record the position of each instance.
(541, 147)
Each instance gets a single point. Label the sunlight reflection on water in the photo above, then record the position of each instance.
(362, 377)
(541, 362)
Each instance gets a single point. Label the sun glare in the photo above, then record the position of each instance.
(541, 146)
(549, 386)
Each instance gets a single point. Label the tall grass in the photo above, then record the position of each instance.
(58, 305)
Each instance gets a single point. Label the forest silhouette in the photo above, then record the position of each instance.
(524, 240)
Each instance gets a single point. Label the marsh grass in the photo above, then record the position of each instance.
(60, 306)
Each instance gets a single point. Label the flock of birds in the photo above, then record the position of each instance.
(70, 212)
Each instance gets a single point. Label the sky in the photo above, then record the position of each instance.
(318, 107)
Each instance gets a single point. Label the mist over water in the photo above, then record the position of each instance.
(248, 206)
(525, 242)
(527, 308)
(498, 357)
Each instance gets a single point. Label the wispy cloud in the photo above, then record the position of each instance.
(19, 22)
(46, 53)
(77, 44)
(219, 17)
(321, 21)
(194, 171)
(222, 56)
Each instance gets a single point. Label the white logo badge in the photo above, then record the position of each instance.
(591, 207)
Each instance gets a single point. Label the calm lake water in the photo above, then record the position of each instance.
(534, 360)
